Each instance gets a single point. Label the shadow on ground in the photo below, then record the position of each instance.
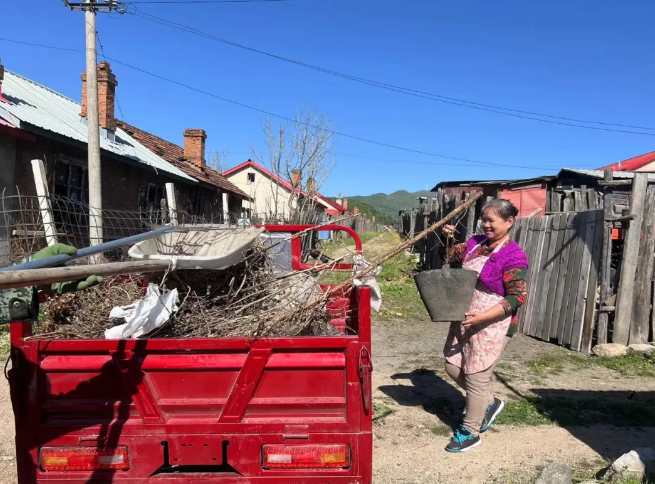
(609, 422)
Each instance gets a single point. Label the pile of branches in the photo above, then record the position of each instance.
(246, 300)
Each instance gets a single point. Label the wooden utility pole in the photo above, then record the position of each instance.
(90, 7)
(92, 116)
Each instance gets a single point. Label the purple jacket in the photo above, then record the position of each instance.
(511, 256)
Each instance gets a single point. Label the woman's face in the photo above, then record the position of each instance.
(493, 225)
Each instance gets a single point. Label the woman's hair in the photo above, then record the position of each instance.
(504, 208)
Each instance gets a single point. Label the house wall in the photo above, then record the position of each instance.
(269, 198)
(7, 173)
(649, 167)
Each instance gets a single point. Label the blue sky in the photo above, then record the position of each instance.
(585, 59)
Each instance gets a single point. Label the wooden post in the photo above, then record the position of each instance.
(45, 207)
(470, 217)
(640, 325)
(172, 203)
(624, 303)
(605, 259)
(226, 209)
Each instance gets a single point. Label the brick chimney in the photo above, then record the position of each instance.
(106, 96)
(345, 204)
(2, 78)
(295, 178)
(356, 210)
(311, 186)
(194, 147)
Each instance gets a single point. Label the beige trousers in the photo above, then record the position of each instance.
(478, 394)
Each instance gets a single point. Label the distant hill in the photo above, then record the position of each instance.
(387, 205)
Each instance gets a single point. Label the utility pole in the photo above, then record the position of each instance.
(94, 169)
(93, 118)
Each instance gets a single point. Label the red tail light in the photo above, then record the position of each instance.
(83, 459)
(306, 456)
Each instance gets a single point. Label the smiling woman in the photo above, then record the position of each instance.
(474, 346)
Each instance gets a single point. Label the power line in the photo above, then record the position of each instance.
(285, 118)
(517, 113)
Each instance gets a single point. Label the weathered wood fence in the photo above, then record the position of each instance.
(564, 255)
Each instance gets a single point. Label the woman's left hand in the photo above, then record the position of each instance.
(474, 318)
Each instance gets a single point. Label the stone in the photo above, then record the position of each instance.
(610, 350)
(642, 349)
(555, 473)
(638, 463)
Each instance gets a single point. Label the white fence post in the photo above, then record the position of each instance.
(226, 209)
(45, 207)
(171, 202)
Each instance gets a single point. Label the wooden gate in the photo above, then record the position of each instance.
(564, 252)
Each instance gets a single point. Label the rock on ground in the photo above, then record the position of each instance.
(610, 350)
(555, 473)
(636, 463)
(642, 349)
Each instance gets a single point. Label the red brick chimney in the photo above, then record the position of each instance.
(345, 204)
(295, 178)
(311, 186)
(2, 77)
(106, 96)
(194, 147)
(356, 210)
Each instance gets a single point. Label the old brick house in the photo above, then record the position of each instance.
(39, 123)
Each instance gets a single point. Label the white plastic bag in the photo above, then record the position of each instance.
(145, 315)
(370, 280)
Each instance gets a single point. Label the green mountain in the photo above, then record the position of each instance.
(387, 206)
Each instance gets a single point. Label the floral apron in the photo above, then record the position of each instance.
(476, 348)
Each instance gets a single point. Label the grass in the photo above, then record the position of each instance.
(5, 344)
(380, 410)
(567, 412)
(441, 430)
(557, 361)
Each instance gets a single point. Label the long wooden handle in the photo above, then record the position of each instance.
(38, 277)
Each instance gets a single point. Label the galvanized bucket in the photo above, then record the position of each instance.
(446, 292)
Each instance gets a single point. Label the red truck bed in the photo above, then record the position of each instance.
(183, 411)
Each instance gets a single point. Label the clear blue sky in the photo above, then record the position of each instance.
(587, 59)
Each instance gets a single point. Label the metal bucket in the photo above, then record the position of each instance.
(446, 292)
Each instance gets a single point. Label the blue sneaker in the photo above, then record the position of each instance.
(493, 410)
(463, 440)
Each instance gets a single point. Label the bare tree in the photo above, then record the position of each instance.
(302, 155)
(219, 161)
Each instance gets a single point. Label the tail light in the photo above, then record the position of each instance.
(83, 459)
(306, 456)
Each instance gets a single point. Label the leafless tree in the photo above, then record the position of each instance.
(219, 161)
(302, 155)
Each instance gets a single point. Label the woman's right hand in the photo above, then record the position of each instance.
(449, 231)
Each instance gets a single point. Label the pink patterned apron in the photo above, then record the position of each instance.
(476, 348)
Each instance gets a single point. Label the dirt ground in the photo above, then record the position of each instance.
(409, 382)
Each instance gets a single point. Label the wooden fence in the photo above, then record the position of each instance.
(564, 254)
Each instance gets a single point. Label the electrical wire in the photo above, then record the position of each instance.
(517, 113)
(286, 118)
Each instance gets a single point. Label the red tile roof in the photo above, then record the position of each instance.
(174, 154)
(632, 164)
(286, 184)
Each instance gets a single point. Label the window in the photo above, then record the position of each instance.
(71, 181)
(150, 197)
(251, 178)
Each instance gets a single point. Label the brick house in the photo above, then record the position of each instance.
(39, 123)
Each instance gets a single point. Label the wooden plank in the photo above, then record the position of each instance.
(592, 290)
(583, 282)
(535, 240)
(583, 198)
(554, 277)
(541, 256)
(525, 245)
(470, 218)
(47, 217)
(640, 326)
(623, 315)
(606, 260)
(547, 268)
(575, 258)
(566, 263)
(568, 204)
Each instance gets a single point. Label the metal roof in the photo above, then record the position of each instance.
(34, 105)
(599, 174)
(481, 183)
